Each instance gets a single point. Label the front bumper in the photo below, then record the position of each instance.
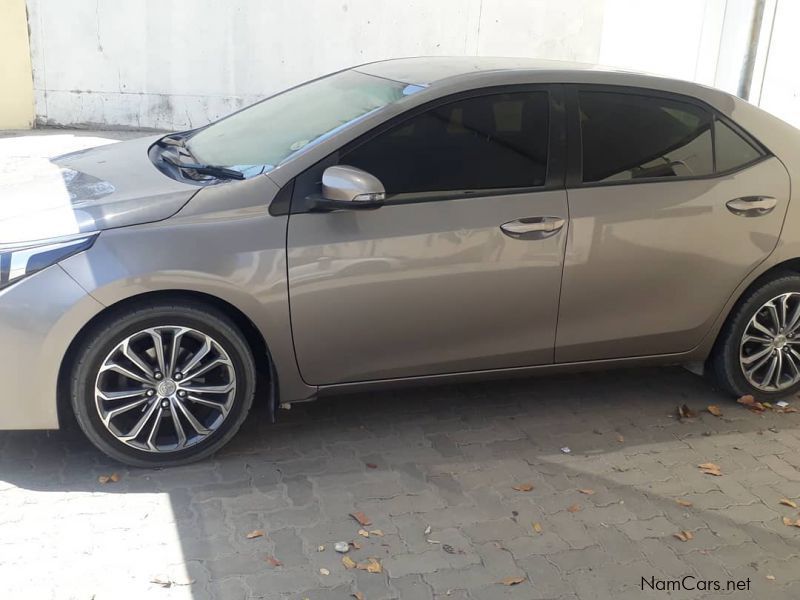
(39, 318)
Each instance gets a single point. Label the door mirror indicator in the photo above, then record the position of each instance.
(349, 188)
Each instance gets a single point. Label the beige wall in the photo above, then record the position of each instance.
(16, 83)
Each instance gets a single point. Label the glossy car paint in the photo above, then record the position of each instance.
(224, 242)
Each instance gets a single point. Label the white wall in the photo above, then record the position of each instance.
(173, 65)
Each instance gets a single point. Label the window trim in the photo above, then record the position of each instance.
(574, 178)
(556, 149)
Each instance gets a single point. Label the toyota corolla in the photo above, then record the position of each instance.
(406, 221)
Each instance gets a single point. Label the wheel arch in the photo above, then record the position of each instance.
(255, 341)
(791, 265)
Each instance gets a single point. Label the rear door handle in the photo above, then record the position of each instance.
(532, 228)
(751, 206)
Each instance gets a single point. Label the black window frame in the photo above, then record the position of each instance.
(305, 184)
(574, 177)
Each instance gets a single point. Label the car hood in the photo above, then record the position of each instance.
(85, 191)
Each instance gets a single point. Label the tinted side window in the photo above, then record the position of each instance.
(732, 149)
(629, 136)
(495, 141)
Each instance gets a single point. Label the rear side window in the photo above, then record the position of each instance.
(487, 142)
(630, 136)
(732, 150)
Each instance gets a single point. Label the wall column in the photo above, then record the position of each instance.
(16, 80)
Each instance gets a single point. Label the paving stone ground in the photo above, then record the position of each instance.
(447, 458)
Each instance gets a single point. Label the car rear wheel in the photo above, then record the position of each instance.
(758, 352)
(163, 384)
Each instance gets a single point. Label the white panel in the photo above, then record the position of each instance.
(780, 93)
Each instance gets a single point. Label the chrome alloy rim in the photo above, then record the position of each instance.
(769, 353)
(164, 389)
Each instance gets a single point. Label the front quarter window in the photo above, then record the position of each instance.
(271, 131)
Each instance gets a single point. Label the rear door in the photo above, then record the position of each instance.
(461, 269)
(671, 206)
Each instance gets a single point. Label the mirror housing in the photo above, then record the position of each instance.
(350, 188)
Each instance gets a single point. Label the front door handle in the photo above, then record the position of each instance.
(532, 228)
(751, 206)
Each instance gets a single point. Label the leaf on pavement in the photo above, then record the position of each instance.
(710, 469)
(621, 438)
(358, 595)
(747, 400)
(113, 478)
(537, 527)
(714, 410)
(587, 491)
(575, 508)
(363, 533)
(324, 571)
(685, 503)
(256, 533)
(362, 519)
(684, 412)
(372, 565)
(348, 562)
(377, 532)
(512, 580)
(684, 536)
(273, 561)
(522, 487)
(787, 502)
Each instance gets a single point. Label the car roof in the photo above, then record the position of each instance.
(430, 70)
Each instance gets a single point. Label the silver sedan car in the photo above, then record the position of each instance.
(407, 221)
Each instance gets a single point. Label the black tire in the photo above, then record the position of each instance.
(116, 327)
(724, 360)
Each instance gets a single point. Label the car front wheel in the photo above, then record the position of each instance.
(758, 352)
(163, 384)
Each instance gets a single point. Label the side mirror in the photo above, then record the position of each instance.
(349, 188)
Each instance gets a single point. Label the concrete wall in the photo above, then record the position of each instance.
(16, 86)
(173, 65)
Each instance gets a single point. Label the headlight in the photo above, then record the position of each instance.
(17, 262)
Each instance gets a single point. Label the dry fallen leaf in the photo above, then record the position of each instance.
(684, 536)
(371, 566)
(362, 519)
(714, 410)
(324, 571)
(620, 438)
(522, 487)
(377, 532)
(273, 561)
(320, 548)
(348, 562)
(587, 491)
(363, 533)
(355, 545)
(574, 508)
(787, 502)
(537, 527)
(427, 530)
(771, 577)
(787, 521)
(358, 595)
(747, 400)
(113, 478)
(684, 412)
(512, 580)
(685, 503)
(256, 533)
(710, 469)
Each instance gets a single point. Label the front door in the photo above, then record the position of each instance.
(459, 271)
(672, 208)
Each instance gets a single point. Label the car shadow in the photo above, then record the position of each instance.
(445, 455)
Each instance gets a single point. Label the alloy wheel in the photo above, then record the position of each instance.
(769, 351)
(165, 388)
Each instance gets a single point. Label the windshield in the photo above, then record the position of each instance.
(271, 131)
